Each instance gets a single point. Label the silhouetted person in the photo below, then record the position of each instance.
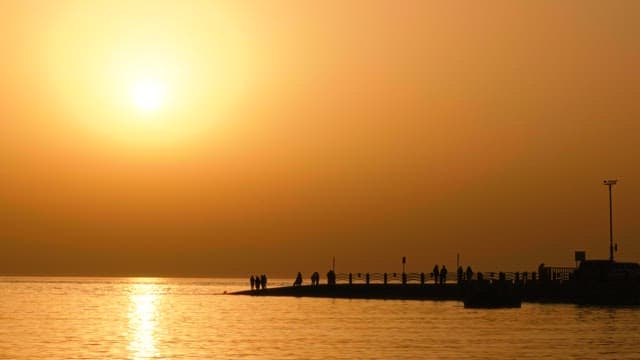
(469, 273)
(460, 274)
(443, 275)
(298, 280)
(331, 277)
(436, 274)
(257, 281)
(252, 281)
(263, 281)
(541, 271)
(313, 279)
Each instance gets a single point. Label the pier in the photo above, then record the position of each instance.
(598, 282)
(550, 284)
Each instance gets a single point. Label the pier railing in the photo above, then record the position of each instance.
(558, 274)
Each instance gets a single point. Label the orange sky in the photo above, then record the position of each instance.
(295, 131)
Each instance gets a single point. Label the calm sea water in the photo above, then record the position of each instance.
(141, 318)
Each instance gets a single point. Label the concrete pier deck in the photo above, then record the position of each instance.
(365, 291)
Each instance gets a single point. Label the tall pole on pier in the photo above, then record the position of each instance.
(610, 183)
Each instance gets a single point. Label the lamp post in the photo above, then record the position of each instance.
(610, 183)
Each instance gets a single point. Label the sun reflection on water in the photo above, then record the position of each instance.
(143, 320)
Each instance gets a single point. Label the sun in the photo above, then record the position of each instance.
(148, 94)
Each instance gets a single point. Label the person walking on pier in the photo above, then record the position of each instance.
(436, 274)
(257, 281)
(443, 275)
(252, 281)
(460, 274)
(298, 281)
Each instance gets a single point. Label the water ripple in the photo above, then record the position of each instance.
(115, 318)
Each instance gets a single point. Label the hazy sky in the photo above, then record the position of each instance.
(286, 132)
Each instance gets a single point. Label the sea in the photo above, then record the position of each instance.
(196, 318)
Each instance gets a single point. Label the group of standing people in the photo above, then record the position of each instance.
(465, 275)
(439, 275)
(258, 282)
(315, 278)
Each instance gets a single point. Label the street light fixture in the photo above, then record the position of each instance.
(610, 183)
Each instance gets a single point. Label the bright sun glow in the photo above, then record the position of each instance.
(164, 80)
(148, 94)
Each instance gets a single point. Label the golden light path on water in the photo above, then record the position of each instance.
(143, 320)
